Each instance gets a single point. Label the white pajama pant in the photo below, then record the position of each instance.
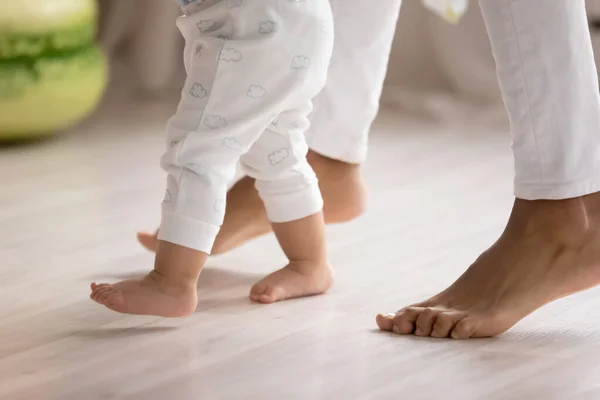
(253, 68)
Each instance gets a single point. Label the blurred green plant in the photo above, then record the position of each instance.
(52, 74)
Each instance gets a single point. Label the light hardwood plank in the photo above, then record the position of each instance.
(69, 210)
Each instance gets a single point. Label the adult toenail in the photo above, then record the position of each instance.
(389, 315)
(395, 329)
(419, 332)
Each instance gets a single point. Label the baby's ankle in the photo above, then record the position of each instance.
(171, 284)
(308, 266)
(177, 265)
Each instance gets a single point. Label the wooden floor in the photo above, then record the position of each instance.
(69, 210)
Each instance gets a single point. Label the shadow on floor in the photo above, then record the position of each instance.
(111, 333)
(212, 278)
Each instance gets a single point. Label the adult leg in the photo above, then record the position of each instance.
(551, 245)
(340, 123)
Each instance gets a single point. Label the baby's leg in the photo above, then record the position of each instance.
(308, 272)
(289, 190)
(247, 61)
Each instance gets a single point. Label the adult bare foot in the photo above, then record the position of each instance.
(151, 295)
(549, 250)
(245, 217)
(293, 281)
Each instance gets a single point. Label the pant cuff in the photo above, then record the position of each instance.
(293, 206)
(187, 232)
(332, 149)
(557, 192)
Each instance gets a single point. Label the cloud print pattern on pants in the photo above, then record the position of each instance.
(234, 3)
(300, 62)
(267, 27)
(256, 91)
(231, 143)
(215, 122)
(278, 156)
(206, 25)
(198, 91)
(230, 55)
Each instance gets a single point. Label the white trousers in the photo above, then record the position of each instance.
(548, 78)
(546, 72)
(253, 68)
(346, 107)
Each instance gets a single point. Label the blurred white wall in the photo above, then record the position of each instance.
(440, 70)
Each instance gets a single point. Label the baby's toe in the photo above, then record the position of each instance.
(273, 294)
(97, 291)
(267, 299)
(95, 286)
(258, 290)
(104, 292)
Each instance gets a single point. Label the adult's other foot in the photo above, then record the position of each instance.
(245, 217)
(549, 250)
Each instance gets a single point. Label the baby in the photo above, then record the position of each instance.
(253, 67)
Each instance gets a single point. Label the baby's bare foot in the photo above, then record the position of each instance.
(245, 217)
(295, 280)
(151, 295)
(550, 249)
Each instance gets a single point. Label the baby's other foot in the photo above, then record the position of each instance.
(295, 280)
(151, 295)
